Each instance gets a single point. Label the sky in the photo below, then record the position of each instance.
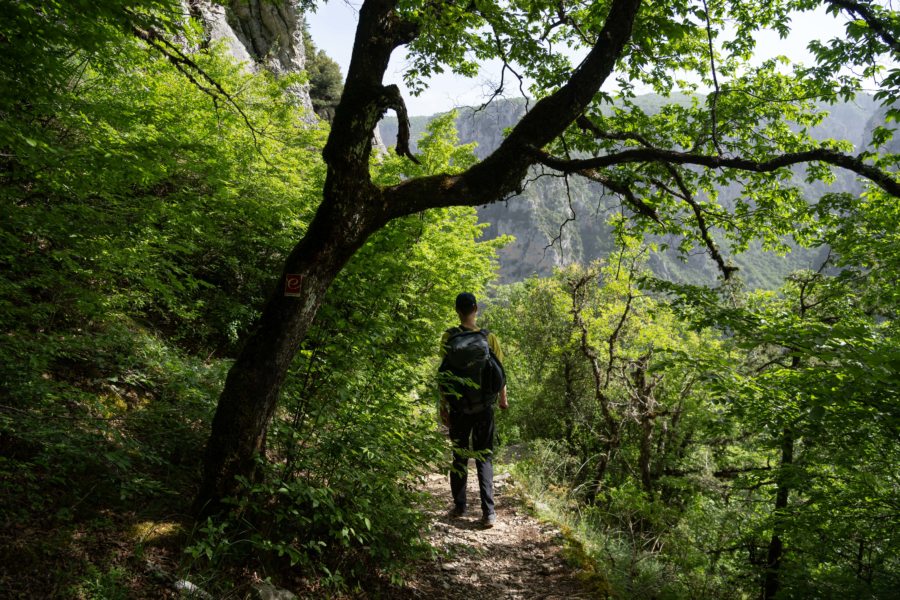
(334, 23)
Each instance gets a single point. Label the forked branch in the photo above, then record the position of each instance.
(686, 195)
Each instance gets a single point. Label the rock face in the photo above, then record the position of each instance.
(556, 222)
(261, 33)
(538, 218)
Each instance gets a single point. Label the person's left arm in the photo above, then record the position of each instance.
(494, 343)
(503, 403)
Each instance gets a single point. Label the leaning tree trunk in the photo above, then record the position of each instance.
(352, 208)
(248, 401)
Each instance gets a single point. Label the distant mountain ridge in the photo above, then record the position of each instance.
(535, 218)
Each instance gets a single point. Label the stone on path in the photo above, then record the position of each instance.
(267, 591)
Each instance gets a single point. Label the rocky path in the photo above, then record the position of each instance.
(519, 558)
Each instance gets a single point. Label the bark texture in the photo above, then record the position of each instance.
(250, 396)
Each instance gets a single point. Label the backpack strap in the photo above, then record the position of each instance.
(455, 331)
(459, 330)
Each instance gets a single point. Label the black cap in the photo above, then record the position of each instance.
(465, 302)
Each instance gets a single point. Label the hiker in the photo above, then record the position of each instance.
(468, 410)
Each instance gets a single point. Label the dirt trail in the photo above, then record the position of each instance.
(518, 558)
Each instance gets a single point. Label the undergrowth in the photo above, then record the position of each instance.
(622, 545)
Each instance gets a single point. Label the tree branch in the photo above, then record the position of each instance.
(192, 71)
(502, 172)
(578, 289)
(570, 218)
(622, 188)
(875, 23)
(641, 155)
(714, 100)
(614, 336)
(365, 97)
(391, 98)
(686, 195)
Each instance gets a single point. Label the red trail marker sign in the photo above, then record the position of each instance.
(292, 284)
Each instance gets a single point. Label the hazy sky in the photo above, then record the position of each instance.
(334, 24)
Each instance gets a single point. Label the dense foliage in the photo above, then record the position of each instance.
(727, 444)
(143, 220)
(325, 80)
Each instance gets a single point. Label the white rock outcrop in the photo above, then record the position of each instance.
(261, 33)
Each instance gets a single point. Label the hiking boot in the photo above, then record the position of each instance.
(458, 511)
(488, 520)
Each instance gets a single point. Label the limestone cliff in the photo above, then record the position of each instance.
(261, 33)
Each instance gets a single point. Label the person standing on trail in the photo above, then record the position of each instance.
(472, 379)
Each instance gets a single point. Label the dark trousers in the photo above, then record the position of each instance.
(480, 428)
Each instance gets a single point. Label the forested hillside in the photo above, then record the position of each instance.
(221, 303)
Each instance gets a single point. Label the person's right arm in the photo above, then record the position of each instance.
(494, 343)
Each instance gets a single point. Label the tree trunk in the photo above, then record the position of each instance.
(248, 401)
(610, 420)
(646, 406)
(352, 208)
(569, 401)
(772, 582)
(646, 455)
(776, 545)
